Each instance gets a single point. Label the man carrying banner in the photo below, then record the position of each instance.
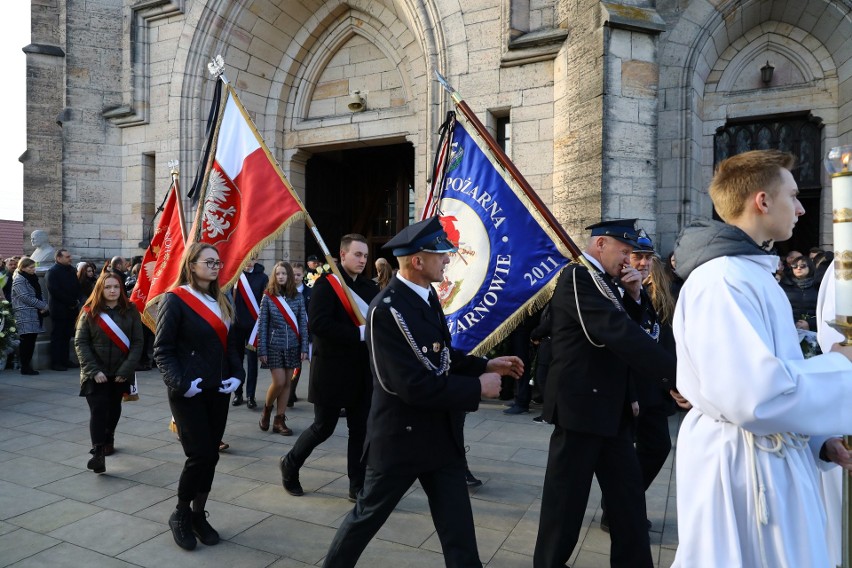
(597, 341)
(422, 388)
(340, 372)
(248, 291)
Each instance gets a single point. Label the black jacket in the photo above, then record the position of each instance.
(63, 290)
(186, 347)
(257, 282)
(417, 414)
(340, 373)
(587, 386)
(803, 301)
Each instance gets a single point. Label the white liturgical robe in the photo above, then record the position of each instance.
(748, 493)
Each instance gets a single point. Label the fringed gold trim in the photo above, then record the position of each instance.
(172, 425)
(538, 301)
(149, 321)
(297, 216)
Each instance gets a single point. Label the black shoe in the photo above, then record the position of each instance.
(58, 368)
(516, 410)
(238, 400)
(29, 372)
(181, 524)
(97, 463)
(470, 479)
(540, 420)
(202, 529)
(250, 403)
(290, 478)
(291, 403)
(353, 496)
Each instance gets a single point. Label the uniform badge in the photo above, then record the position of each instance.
(436, 347)
(424, 349)
(386, 300)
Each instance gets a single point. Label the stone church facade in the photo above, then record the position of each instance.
(609, 109)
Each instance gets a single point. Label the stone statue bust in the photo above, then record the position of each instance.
(44, 253)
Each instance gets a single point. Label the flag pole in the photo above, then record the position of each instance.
(217, 68)
(504, 161)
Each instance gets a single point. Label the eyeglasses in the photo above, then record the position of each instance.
(799, 266)
(211, 263)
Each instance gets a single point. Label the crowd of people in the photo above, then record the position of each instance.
(627, 339)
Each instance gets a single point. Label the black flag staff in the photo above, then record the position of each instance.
(506, 163)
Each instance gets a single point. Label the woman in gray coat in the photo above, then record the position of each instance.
(30, 310)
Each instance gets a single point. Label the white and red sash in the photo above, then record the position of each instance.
(283, 307)
(360, 304)
(115, 333)
(247, 295)
(205, 312)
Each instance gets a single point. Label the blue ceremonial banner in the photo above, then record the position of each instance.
(508, 257)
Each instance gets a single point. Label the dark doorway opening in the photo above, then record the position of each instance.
(365, 190)
(797, 133)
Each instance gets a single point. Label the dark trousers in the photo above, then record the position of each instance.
(325, 420)
(449, 504)
(60, 338)
(653, 441)
(201, 425)
(104, 411)
(572, 460)
(26, 350)
(250, 356)
(520, 345)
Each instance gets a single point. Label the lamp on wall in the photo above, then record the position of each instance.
(357, 103)
(766, 73)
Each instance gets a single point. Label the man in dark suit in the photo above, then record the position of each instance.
(422, 388)
(305, 291)
(244, 323)
(340, 372)
(597, 341)
(63, 301)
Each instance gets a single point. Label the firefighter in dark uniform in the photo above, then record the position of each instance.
(597, 340)
(421, 389)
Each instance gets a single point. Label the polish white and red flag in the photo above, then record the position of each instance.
(248, 201)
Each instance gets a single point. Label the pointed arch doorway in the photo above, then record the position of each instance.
(367, 190)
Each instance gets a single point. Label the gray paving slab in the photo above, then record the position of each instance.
(60, 511)
(53, 516)
(19, 544)
(66, 555)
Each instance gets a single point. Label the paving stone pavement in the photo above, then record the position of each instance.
(54, 512)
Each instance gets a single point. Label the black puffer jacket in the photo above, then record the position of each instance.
(803, 301)
(186, 347)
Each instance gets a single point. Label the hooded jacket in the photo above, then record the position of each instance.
(704, 240)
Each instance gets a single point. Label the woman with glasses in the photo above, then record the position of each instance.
(801, 289)
(196, 352)
(108, 341)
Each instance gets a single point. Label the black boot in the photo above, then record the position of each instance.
(206, 534)
(181, 524)
(290, 478)
(238, 398)
(97, 463)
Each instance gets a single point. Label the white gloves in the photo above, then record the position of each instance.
(230, 385)
(362, 328)
(193, 388)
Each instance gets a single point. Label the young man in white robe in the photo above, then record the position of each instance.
(764, 419)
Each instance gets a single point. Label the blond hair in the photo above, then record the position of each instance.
(659, 286)
(741, 176)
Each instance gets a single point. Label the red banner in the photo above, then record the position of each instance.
(161, 262)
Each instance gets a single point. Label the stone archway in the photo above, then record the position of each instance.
(705, 54)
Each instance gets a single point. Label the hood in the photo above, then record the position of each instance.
(258, 268)
(705, 240)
